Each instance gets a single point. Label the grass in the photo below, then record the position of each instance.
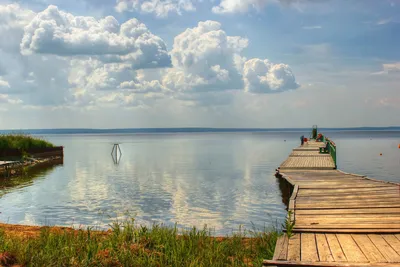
(127, 244)
(288, 225)
(22, 142)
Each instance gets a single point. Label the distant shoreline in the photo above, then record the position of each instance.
(189, 130)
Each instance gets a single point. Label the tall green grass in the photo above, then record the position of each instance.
(22, 142)
(130, 245)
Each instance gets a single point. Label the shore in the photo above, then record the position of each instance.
(128, 244)
(20, 167)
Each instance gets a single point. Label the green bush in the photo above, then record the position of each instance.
(22, 142)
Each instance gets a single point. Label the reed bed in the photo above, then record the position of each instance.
(128, 244)
(22, 142)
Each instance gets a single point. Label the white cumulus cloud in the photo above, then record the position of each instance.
(262, 76)
(14, 16)
(60, 33)
(160, 8)
(205, 59)
(239, 6)
(54, 58)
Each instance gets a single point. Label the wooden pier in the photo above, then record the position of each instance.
(340, 219)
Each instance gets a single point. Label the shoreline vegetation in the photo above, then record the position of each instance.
(22, 142)
(128, 244)
(23, 152)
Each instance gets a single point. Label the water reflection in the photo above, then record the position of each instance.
(286, 190)
(222, 180)
(34, 174)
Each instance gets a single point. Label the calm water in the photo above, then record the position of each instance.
(223, 180)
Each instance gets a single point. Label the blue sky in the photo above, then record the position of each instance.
(184, 63)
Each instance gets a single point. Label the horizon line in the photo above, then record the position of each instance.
(202, 128)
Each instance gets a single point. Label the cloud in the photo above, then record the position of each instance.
(59, 33)
(389, 69)
(205, 58)
(239, 6)
(6, 99)
(261, 76)
(160, 8)
(387, 21)
(95, 83)
(244, 6)
(392, 67)
(208, 66)
(312, 27)
(56, 59)
(14, 16)
(3, 83)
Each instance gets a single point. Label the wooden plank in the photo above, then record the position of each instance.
(355, 220)
(320, 185)
(374, 218)
(348, 206)
(323, 177)
(345, 201)
(280, 248)
(330, 191)
(347, 230)
(359, 218)
(317, 193)
(348, 211)
(292, 203)
(387, 251)
(294, 248)
(336, 185)
(295, 190)
(324, 253)
(350, 248)
(308, 248)
(338, 189)
(393, 242)
(349, 203)
(327, 178)
(357, 191)
(326, 264)
(336, 249)
(349, 225)
(350, 197)
(306, 168)
(368, 248)
(341, 180)
(344, 194)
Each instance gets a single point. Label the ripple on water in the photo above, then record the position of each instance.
(219, 180)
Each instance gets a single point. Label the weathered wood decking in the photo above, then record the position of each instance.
(340, 219)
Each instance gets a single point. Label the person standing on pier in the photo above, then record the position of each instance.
(302, 139)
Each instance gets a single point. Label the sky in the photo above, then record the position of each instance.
(199, 63)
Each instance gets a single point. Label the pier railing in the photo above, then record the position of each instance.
(332, 150)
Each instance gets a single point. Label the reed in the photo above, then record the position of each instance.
(128, 244)
(22, 142)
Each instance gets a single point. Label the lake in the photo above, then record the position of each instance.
(222, 180)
